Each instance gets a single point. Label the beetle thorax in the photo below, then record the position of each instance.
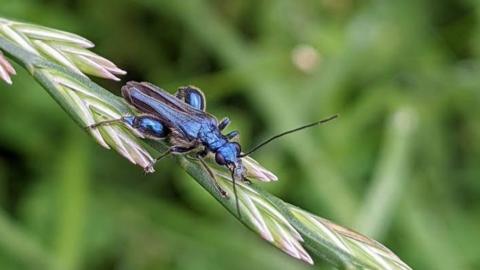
(212, 138)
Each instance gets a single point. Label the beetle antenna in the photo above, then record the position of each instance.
(288, 132)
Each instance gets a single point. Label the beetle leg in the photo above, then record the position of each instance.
(224, 123)
(215, 182)
(202, 154)
(104, 123)
(171, 150)
(181, 149)
(232, 134)
(147, 125)
(192, 96)
(246, 181)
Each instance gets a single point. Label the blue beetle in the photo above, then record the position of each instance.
(183, 120)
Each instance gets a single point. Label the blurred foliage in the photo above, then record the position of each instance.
(401, 164)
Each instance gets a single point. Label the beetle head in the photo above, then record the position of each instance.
(229, 155)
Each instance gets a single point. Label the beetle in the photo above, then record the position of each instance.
(182, 119)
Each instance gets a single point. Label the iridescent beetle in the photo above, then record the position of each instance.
(182, 119)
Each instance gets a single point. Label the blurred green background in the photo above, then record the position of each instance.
(401, 164)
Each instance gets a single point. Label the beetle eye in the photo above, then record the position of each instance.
(220, 159)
